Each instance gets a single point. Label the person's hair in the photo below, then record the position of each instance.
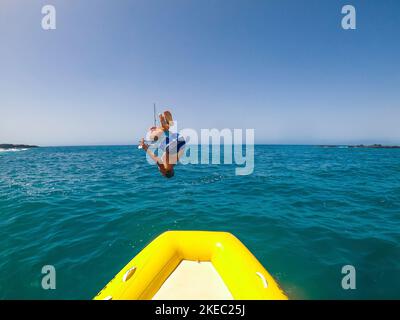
(169, 174)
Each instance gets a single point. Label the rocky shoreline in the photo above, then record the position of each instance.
(7, 146)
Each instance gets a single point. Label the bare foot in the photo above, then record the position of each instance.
(168, 117)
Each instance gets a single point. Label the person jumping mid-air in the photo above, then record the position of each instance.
(172, 145)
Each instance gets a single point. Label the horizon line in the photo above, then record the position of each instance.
(222, 144)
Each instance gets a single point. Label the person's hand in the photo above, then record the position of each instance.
(143, 145)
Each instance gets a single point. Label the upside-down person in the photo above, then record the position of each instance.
(172, 145)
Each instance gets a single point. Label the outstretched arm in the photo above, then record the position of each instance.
(149, 152)
(153, 156)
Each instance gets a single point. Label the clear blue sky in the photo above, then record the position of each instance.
(285, 68)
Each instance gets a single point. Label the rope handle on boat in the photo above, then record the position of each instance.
(264, 281)
(128, 274)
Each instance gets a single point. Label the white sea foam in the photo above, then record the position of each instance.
(12, 150)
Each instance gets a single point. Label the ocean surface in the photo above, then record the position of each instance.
(305, 212)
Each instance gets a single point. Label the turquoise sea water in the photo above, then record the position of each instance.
(305, 212)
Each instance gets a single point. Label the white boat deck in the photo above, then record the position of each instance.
(193, 280)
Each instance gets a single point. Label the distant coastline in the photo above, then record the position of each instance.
(373, 146)
(7, 146)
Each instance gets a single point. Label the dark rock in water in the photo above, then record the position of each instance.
(375, 146)
(16, 146)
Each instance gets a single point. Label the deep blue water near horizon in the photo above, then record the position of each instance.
(305, 212)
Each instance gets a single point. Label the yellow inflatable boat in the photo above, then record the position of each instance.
(196, 265)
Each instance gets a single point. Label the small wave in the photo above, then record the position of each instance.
(13, 150)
